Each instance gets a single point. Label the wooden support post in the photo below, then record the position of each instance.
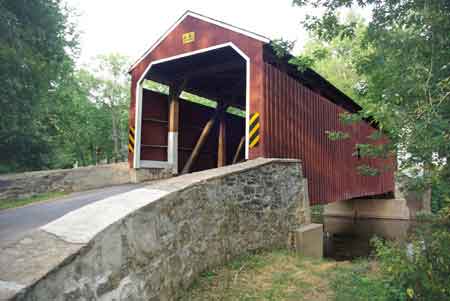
(172, 145)
(174, 112)
(222, 146)
(202, 139)
(238, 150)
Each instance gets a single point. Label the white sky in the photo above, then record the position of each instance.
(131, 27)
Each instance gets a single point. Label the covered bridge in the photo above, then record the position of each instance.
(261, 107)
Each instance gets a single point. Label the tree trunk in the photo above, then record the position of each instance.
(426, 196)
(115, 135)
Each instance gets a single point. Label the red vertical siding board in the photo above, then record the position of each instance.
(293, 119)
(298, 124)
(289, 120)
(272, 106)
(284, 119)
(297, 119)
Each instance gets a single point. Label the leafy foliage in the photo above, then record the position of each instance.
(36, 46)
(362, 283)
(109, 88)
(54, 116)
(91, 118)
(335, 60)
(398, 69)
(367, 170)
(337, 135)
(422, 270)
(414, 270)
(440, 197)
(372, 151)
(282, 47)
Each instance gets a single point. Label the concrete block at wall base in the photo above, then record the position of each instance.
(417, 201)
(370, 208)
(149, 174)
(308, 240)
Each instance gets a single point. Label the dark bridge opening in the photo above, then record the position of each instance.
(199, 122)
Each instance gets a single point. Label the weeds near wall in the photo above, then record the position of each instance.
(414, 270)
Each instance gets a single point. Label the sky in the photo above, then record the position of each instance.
(131, 27)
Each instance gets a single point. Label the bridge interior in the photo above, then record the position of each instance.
(208, 123)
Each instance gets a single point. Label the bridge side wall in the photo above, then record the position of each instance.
(27, 184)
(157, 251)
(297, 121)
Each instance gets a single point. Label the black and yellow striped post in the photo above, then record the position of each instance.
(253, 134)
(131, 140)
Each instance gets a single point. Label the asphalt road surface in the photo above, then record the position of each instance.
(15, 223)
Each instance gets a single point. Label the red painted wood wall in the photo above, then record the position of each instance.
(296, 121)
(207, 35)
(293, 120)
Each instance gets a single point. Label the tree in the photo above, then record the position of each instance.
(53, 115)
(82, 126)
(92, 114)
(110, 89)
(335, 59)
(406, 63)
(36, 46)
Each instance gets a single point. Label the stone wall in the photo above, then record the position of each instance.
(151, 243)
(26, 184)
(403, 206)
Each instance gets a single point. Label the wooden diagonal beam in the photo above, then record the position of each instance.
(238, 150)
(202, 139)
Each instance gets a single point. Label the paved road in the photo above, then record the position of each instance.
(15, 223)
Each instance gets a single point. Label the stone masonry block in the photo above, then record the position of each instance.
(308, 240)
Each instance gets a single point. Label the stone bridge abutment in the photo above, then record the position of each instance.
(151, 243)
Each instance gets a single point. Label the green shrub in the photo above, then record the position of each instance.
(420, 269)
(359, 283)
(440, 192)
(415, 270)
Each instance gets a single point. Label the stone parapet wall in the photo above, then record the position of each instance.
(26, 184)
(151, 243)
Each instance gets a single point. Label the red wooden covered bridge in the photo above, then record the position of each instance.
(261, 107)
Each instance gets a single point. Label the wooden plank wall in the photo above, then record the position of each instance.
(193, 118)
(296, 123)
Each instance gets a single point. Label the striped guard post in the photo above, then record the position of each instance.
(254, 130)
(131, 139)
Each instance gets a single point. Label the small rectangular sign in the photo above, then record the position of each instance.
(188, 37)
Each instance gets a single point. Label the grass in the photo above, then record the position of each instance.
(277, 275)
(14, 203)
(317, 213)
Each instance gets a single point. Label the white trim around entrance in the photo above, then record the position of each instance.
(137, 163)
